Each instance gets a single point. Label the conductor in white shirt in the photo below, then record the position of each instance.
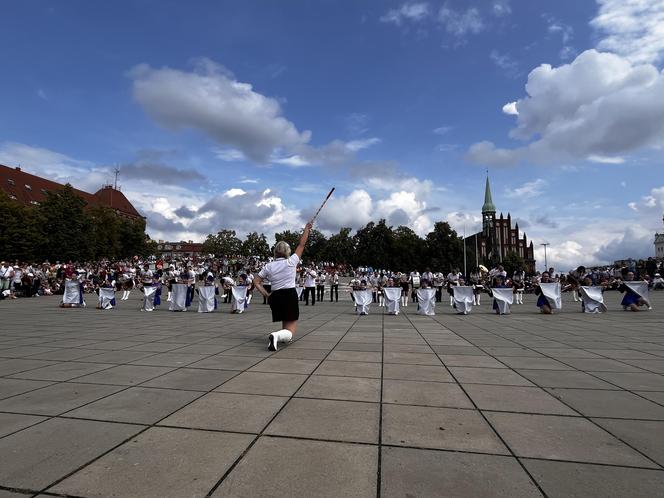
(283, 297)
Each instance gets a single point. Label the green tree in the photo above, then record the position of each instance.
(409, 250)
(66, 225)
(315, 246)
(255, 244)
(104, 236)
(290, 237)
(374, 245)
(513, 262)
(339, 247)
(444, 248)
(225, 243)
(21, 234)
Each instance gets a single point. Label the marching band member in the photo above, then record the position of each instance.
(207, 295)
(415, 282)
(405, 287)
(334, 286)
(362, 296)
(320, 286)
(310, 287)
(464, 297)
(240, 292)
(149, 289)
(502, 298)
(426, 299)
(392, 293)
(549, 294)
(476, 282)
(283, 298)
(518, 285)
(438, 283)
(267, 285)
(592, 299)
(106, 292)
(636, 293)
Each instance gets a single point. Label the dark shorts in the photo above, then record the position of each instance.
(284, 305)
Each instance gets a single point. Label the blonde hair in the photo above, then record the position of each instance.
(282, 249)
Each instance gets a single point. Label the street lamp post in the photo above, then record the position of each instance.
(464, 250)
(546, 264)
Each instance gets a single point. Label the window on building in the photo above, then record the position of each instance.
(35, 203)
(44, 191)
(12, 196)
(28, 187)
(10, 181)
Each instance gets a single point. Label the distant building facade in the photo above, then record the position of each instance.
(659, 244)
(497, 238)
(182, 249)
(31, 190)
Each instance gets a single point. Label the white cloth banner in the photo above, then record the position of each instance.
(206, 299)
(299, 290)
(593, 299)
(239, 298)
(363, 299)
(149, 291)
(426, 301)
(504, 299)
(641, 289)
(72, 293)
(106, 295)
(392, 300)
(463, 298)
(179, 298)
(551, 292)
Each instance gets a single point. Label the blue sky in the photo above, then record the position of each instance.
(243, 114)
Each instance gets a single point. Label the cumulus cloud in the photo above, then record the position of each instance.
(506, 63)
(633, 243)
(527, 190)
(599, 105)
(653, 202)
(510, 109)
(210, 99)
(631, 28)
(460, 22)
(501, 8)
(352, 210)
(411, 11)
(159, 173)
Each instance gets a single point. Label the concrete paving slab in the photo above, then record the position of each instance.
(573, 480)
(56, 399)
(12, 366)
(160, 462)
(62, 371)
(285, 366)
(332, 420)
(125, 375)
(228, 412)
(634, 381)
(273, 384)
(12, 422)
(439, 428)
(409, 392)
(563, 438)
(191, 379)
(42, 454)
(516, 399)
(498, 376)
(612, 404)
(138, 405)
(645, 435)
(567, 378)
(416, 472)
(303, 468)
(12, 387)
(345, 388)
(416, 372)
(349, 369)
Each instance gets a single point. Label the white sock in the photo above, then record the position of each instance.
(283, 335)
(168, 299)
(478, 299)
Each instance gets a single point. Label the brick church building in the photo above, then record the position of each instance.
(31, 190)
(498, 238)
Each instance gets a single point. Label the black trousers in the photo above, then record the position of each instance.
(320, 292)
(334, 291)
(439, 294)
(307, 291)
(268, 288)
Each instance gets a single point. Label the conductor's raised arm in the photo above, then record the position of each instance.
(303, 240)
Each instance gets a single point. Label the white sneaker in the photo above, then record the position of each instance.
(272, 343)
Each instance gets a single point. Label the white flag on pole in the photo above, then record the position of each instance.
(463, 298)
(593, 299)
(551, 292)
(72, 294)
(392, 300)
(639, 288)
(206, 299)
(149, 291)
(179, 298)
(426, 301)
(106, 296)
(239, 298)
(504, 298)
(363, 299)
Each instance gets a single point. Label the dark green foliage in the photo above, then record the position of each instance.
(255, 245)
(225, 243)
(292, 238)
(61, 229)
(513, 262)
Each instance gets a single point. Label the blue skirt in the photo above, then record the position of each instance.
(542, 301)
(629, 299)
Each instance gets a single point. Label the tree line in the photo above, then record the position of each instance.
(376, 244)
(61, 228)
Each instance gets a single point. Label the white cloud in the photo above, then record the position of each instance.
(353, 210)
(460, 22)
(501, 8)
(653, 202)
(357, 145)
(506, 63)
(229, 155)
(631, 28)
(42, 94)
(294, 161)
(598, 105)
(510, 109)
(411, 11)
(527, 190)
(605, 159)
(211, 100)
(443, 130)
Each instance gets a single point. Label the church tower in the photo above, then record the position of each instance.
(489, 221)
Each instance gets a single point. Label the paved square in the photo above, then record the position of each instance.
(121, 403)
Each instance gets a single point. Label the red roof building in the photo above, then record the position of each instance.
(31, 190)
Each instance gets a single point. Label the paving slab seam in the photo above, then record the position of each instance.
(486, 420)
(380, 413)
(258, 436)
(604, 429)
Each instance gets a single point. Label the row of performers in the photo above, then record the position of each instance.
(463, 298)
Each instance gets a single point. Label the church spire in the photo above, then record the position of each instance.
(488, 206)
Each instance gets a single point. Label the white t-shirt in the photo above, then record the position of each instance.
(6, 271)
(281, 272)
(311, 279)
